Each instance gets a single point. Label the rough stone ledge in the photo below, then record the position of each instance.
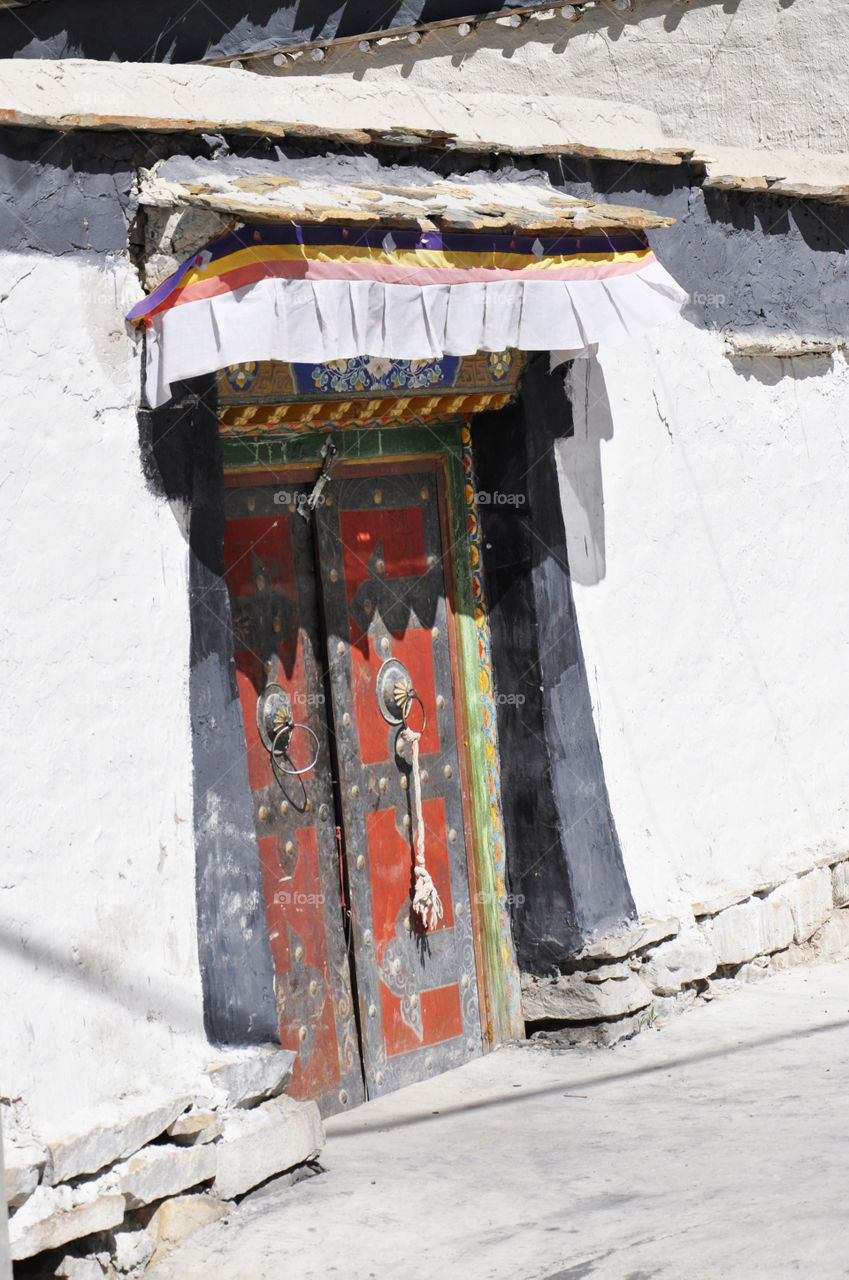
(608, 992)
(235, 1129)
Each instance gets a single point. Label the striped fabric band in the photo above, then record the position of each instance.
(320, 253)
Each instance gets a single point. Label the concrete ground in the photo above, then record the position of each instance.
(716, 1147)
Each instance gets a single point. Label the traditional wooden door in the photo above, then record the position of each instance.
(319, 608)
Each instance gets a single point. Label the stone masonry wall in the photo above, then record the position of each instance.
(643, 975)
(115, 1195)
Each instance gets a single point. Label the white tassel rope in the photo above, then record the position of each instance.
(426, 900)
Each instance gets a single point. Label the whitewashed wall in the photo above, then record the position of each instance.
(761, 73)
(100, 986)
(712, 590)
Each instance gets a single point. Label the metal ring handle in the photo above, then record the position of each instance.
(414, 697)
(289, 729)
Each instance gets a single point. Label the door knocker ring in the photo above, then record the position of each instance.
(412, 697)
(285, 733)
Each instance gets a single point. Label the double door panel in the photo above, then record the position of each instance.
(365, 992)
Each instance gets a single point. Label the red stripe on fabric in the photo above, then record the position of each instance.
(230, 281)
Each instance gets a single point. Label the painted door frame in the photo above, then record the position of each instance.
(264, 460)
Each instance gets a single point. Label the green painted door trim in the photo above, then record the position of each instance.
(500, 977)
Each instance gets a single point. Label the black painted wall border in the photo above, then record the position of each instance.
(565, 866)
(181, 455)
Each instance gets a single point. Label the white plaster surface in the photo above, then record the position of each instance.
(101, 990)
(712, 592)
(755, 74)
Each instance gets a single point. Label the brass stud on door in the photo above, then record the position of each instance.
(251, 504)
(284, 807)
(323, 812)
(263, 813)
(452, 835)
(313, 987)
(367, 935)
(378, 496)
(382, 784)
(334, 575)
(302, 1033)
(425, 492)
(343, 1097)
(372, 1011)
(346, 719)
(361, 862)
(290, 848)
(447, 771)
(440, 701)
(434, 631)
(464, 981)
(355, 791)
(340, 648)
(299, 953)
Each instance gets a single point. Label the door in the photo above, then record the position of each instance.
(319, 608)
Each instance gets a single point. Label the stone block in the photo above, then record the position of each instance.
(116, 1131)
(163, 1170)
(810, 900)
(268, 1140)
(673, 964)
(598, 1035)
(251, 1077)
(755, 970)
(753, 928)
(572, 998)
(24, 1160)
(132, 1249)
(54, 1215)
(833, 938)
(199, 1125)
(72, 1268)
(840, 884)
(175, 1220)
(631, 938)
(605, 971)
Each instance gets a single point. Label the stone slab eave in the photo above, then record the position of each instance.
(66, 95)
(403, 198)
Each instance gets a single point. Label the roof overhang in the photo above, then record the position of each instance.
(340, 257)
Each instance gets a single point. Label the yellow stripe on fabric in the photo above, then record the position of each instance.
(403, 257)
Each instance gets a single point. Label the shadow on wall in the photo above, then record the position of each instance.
(578, 458)
(769, 370)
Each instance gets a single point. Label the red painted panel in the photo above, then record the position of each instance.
(297, 903)
(391, 867)
(402, 533)
(442, 1016)
(442, 1019)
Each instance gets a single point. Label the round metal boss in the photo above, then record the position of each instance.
(394, 690)
(273, 713)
